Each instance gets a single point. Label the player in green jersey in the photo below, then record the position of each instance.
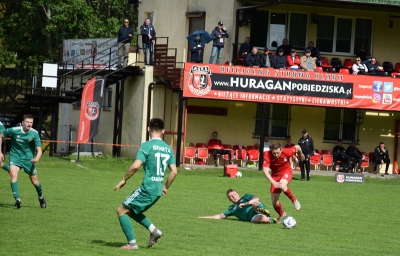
(3, 165)
(246, 208)
(24, 142)
(156, 156)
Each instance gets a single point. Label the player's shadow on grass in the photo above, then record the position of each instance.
(104, 243)
(8, 206)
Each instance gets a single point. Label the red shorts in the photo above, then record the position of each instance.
(286, 176)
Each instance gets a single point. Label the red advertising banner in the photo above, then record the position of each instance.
(291, 87)
(92, 100)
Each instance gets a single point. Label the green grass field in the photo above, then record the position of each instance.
(335, 219)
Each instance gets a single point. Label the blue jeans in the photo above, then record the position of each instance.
(150, 47)
(214, 51)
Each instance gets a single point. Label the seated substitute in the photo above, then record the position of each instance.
(339, 155)
(381, 156)
(355, 155)
(253, 59)
(308, 62)
(215, 146)
(246, 208)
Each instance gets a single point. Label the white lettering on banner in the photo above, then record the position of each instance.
(368, 97)
(365, 86)
(82, 130)
(396, 89)
(396, 99)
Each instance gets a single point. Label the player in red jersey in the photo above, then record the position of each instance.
(215, 147)
(277, 160)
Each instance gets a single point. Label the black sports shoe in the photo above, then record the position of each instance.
(263, 211)
(216, 165)
(154, 237)
(18, 203)
(42, 202)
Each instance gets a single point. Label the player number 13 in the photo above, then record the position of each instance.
(164, 158)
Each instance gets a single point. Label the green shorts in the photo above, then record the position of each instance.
(139, 201)
(27, 165)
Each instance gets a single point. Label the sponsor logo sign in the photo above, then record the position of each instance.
(349, 178)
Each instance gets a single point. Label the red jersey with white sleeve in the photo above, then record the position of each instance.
(280, 165)
(214, 144)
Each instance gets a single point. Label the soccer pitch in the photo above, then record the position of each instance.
(81, 219)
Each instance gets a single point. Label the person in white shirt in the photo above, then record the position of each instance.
(359, 67)
(267, 144)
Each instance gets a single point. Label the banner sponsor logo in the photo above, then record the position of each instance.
(377, 86)
(387, 98)
(388, 87)
(349, 178)
(376, 98)
(199, 80)
(92, 110)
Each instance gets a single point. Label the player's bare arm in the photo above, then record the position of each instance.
(251, 202)
(131, 171)
(1, 152)
(171, 177)
(299, 152)
(215, 217)
(38, 155)
(268, 176)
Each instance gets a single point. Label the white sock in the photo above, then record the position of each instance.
(132, 241)
(152, 228)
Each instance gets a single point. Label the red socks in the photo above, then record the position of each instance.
(278, 209)
(289, 194)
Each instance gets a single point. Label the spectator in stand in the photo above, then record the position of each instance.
(307, 62)
(381, 156)
(359, 67)
(355, 155)
(280, 60)
(339, 155)
(373, 68)
(314, 53)
(362, 53)
(245, 48)
(219, 34)
(306, 144)
(267, 144)
(148, 39)
(285, 46)
(215, 146)
(197, 49)
(293, 160)
(293, 61)
(125, 35)
(267, 60)
(253, 59)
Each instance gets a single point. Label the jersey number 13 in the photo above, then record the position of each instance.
(162, 160)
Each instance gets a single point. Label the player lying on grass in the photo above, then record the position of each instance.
(246, 208)
(278, 161)
(156, 156)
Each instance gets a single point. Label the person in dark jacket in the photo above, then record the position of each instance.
(339, 155)
(355, 155)
(381, 156)
(253, 59)
(267, 60)
(197, 49)
(307, 147)
(219, 34)
(285, 46)
(125, 35)
(245, 48)
(148, 39)
(373, 68)
(280, 60)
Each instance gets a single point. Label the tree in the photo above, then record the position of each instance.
(34, 29)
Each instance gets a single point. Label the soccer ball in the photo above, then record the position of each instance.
(289, 222)
(239, 175)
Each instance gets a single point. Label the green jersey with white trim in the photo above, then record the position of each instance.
(156, 156)
(246, 213)
(23, 144)
(2, 128)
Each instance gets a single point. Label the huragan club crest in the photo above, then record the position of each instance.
(199, 80)
(92, 110)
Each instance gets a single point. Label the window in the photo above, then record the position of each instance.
(340, 124)
(276, 120)
(107, 100)
(298, 30)
(343, 35)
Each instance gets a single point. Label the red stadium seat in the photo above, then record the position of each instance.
(190, 153)
(397, 67)
(327, 160)
(348, 63)
(226, 156)
(241, 155)
(250, 147)
(202, 153)
(315, 160)
(326, 152)
(344, 71)
(325, 62)
(365, 162)
(253, 155)
(320, 69)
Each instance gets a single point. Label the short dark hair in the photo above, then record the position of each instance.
(288, 137)
(27, 116)
(215, 132)
(380, 143)
(229, 191)
(156, 125)
(339, 141)
(276, 146)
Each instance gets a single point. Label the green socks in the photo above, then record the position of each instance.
(141, 219)
(127, 227)
(14, 189)
(6, 167)
(39, 190)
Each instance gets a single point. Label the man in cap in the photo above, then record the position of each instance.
(293, 60)
(219, 34)
(306, 144)
(280, 60)
(307, 62)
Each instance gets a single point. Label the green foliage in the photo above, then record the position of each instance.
(335, 219)
(35, 29)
